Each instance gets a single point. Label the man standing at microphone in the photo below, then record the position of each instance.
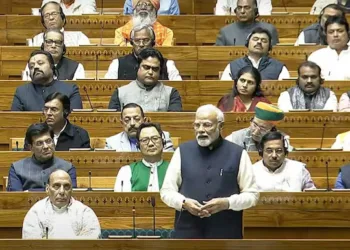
(209, 182)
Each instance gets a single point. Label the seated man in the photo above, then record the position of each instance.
(125, 68)
(342, 141)
(259, 45)
(265, 120)
(144, 13)
(335, 59)
(52, 17)
(228, 7)
(236, 33)
(147, 91)
(75, 7)
(275, 172)
(67, 69)
(343, 178)
(147, 174)
(315, 33)
(66, 135)
(31, 96)
(60, 216)
(131, 117)
(167, 7)
(32, 173)
(320, 4)
(308, 92)
(344, 102)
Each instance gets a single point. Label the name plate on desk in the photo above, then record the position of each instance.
(82, 110)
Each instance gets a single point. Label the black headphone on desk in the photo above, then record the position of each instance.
(63, 16)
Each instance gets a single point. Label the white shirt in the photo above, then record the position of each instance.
(342, 141)
(319, 5)
(123, 181)
(79, 73)
(71, 38)
(173, 72)
(223, 7)
(247, 198)
(75, 221)
(79, 7)
(226, 76)
(333, 66)
(292, 176)
(56, 136)
(285, 103)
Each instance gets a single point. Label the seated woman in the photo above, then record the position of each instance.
(246, 92)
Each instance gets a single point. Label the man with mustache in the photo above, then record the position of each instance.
(275, 172)
(209, 182)
(334, 60)
(237, 32)
(60, 216)
(266, 118)
(52, 16)
(259, 45)
(147, 91)
(131, 118)
(147, 174)
(32, 173)
(67, 69)
(31, 96)
(144, 13)
(308, 93)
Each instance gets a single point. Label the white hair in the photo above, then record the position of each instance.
(140, 27)
(211, 108)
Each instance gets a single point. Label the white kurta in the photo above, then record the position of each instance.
(292, 176)
(333, 66)
(123, 181)
(75, 221)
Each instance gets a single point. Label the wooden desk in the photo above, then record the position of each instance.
(202, 62)
(109, 163)
(277, 215)
(105, 124)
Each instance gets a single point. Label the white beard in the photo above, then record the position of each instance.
(209, 140)
(148, 20)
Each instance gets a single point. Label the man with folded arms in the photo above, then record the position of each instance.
(147, 174)
(275, 172)
(32, 173)
(60, 216)
(308, 92)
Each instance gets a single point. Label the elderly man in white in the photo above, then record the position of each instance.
(335, 59)
(75, 7)
(60, 216)
(227, 7)
(275, 172)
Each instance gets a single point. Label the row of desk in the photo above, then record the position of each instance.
(193, 62)
(188, 30)
(276, 216)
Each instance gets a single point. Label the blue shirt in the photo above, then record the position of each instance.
(167, 7)
(133, 143)
(339, 183)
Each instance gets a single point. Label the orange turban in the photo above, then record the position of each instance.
(155, 3)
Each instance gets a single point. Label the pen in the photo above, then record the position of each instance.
(221, 172)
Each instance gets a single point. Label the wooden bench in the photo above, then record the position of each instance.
(104, 163)
(276, 216)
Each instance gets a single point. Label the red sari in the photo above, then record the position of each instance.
(234, 104)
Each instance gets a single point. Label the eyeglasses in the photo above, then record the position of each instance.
(206, 125)
(51, 42)
(154, 139)
(48, 141)
(53, 110)
(261, 129)
(278, 151)
(53, 14)
(145, 41)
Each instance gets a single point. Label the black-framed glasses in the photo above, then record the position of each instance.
(154, 139)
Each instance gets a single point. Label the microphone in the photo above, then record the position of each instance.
(89, 188)
(153, 202)
(244, 146)
(122, 185)
(96, 64)
(284, 6)
(47, 233)
(314, 10)
(17, 146)
(133, 222)
(101, 36)
(102, 7)
(234, 41)
(323, 130)
(85, 90)
(327, 176)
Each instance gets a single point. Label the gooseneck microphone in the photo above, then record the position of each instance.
(47, 233)
(285, 7)
(153, 203)
(87, 95)
(322, 137)
(327, 176)
(133, 222)
(89, 188)
(17, 146)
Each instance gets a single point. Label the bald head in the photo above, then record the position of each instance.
(59, 188)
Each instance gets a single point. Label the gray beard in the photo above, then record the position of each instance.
(148, 20)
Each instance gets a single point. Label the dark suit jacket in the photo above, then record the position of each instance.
(30, 96)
